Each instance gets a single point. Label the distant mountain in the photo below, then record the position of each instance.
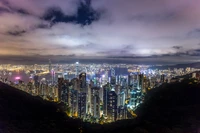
(193, 65)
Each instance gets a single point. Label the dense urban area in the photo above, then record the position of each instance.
(96, 93)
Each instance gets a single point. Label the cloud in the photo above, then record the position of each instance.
(177, 47)
(38, 7)
(94, 28)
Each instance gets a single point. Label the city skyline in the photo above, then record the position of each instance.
(160, 31)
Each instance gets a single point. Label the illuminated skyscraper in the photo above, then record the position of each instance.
(82, 78)
(66, 76)
(77, 69)
(112, 106)
(53, 74)
(133, 99)
(74, 103)
(95, 102)
(140, 81)
(162, 78)
(75, 84)
(82, 97)
(106, 90)
(36, 81)
(60, 84)
(65, 92)
(113, 78)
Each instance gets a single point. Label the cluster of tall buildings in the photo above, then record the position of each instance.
(106, 98)
(103, 98)
(97, 96)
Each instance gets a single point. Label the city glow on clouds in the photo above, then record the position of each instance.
(124, 28)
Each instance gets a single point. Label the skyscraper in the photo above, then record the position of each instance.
(74, 103)
(82, 97)
(112, 106)
(140, 81)
(60, 84)
(53, 74)
(162, 78)
(106, 90)
(82, 78)
(66, 76)
(95, 102)
(77, 69)
(113, 78)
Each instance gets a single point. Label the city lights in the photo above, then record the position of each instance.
(107, 92)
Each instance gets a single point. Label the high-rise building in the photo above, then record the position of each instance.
(162, 78)
(66, 76)
(106, 90)
(140, 81)
(194, 75)
(77, 69)
(113, 78)
(60, 84)
(112, 106)
(82, 78)
(74, 103)
(82, 97)
(122, 113)
(53, 74)
(121, 99)
(65, 96)
(95, 102)
(133, 99)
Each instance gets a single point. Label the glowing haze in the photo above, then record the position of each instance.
(92, 29)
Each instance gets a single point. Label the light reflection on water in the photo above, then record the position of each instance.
(23, 76)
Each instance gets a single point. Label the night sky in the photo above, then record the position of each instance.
(130, 30)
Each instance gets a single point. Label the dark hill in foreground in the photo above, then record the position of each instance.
(22, 113)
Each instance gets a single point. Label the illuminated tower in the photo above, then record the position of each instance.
(140, 81)
(162, 78)
(82, 97)
(77, 68)
(53, 76)
(95, 102)
(112, 106)
(106, 90)
(113, 79)
(60, 83)
(66, 76)
(82, 78)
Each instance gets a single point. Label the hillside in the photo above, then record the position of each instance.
(22, 113)
(192, 65)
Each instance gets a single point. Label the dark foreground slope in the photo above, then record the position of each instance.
(171, 108)
(22, 113)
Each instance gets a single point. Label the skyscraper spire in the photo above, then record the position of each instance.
(77, 69)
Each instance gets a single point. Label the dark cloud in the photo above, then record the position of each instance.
(194, 33)
(3, 10)
(177, 47)
(16, 33)
(85, 15)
